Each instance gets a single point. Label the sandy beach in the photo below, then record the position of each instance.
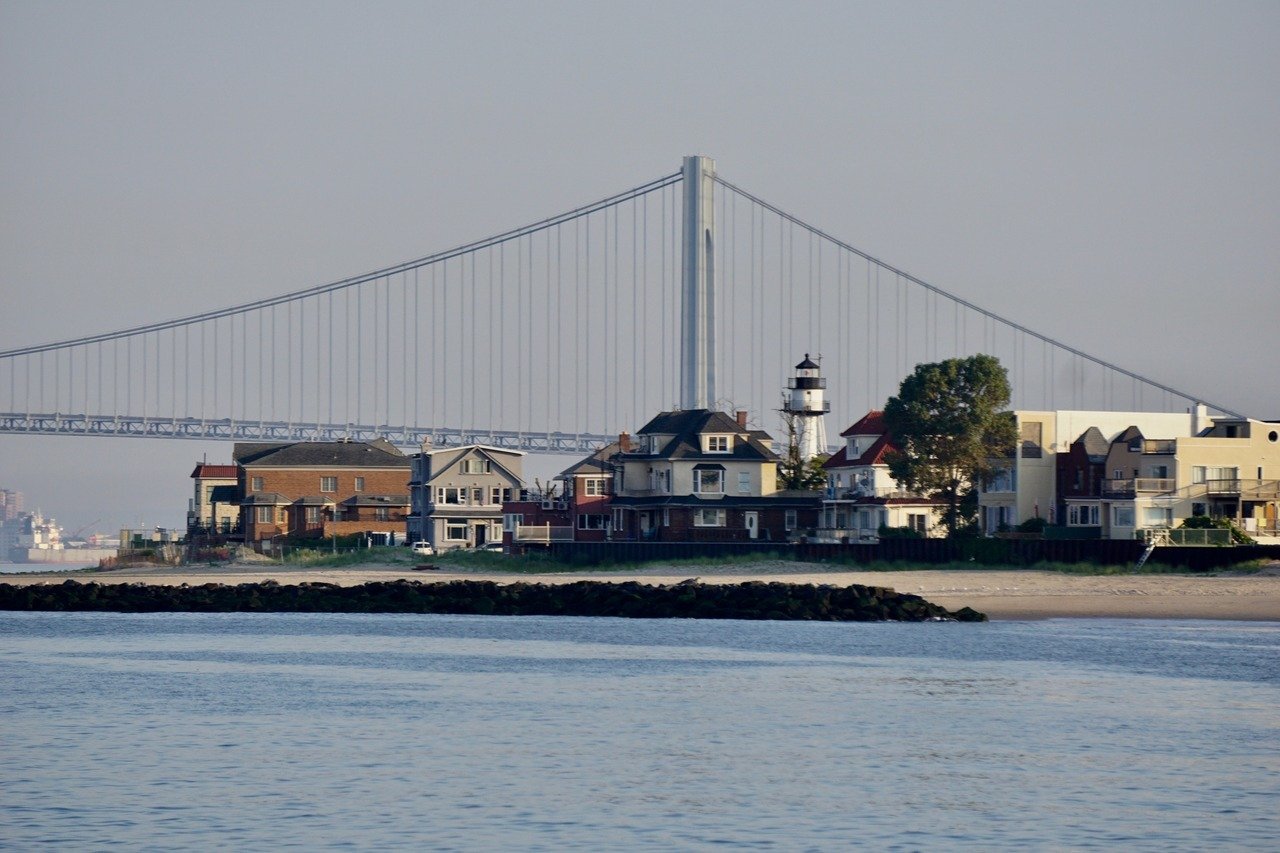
(1001, 594)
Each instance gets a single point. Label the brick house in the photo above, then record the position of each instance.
(703, 476)
(321, 488)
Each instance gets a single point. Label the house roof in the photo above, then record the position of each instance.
(873, 455)
(313, 500)
(204, 470)
(872, 423)
(1094, 443)
(320, 454)
(687, 425)
(377, 500)
(595, 464)
(265, 499)
(484, 451)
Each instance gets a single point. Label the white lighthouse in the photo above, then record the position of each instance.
(807, 405)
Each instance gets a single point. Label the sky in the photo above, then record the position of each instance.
(1103, 173)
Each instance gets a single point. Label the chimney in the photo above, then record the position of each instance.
(624, 442)
(741, 415)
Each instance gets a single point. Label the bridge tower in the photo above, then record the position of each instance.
(698, 296)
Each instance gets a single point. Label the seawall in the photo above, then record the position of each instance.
(688, 599)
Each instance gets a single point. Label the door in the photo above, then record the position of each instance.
(753, 523)
(481, 531)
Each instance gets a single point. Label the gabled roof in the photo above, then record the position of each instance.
(1094, 443)
(1127, 436)
(872, 423)
(597, 464)
(873, 455)
(377, 500)
(205, 471)
(493, 454)
(688, 425)
(321, 454)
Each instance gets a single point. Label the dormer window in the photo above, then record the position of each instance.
(717, 444)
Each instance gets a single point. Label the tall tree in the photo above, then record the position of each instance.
(949, 424)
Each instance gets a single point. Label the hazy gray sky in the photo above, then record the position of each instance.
(1103, 173)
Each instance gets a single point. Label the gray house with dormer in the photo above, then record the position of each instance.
(456, 495)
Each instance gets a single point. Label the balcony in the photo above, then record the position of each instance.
(1128, 487)
(1159, 446)
(542, 533)
(1223, 487)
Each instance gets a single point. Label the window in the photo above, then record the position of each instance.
(477, 496)
(1030, 438)
(382, 513)
(359, 484)
(1082, 515)
(313, 515)
(255, 484)
(328, 484)
(450, 495)
(1122, 516)
(708, 518)
(666, 517)
(456, 531)
(594, 487)
(790, 519)
(1160, 472)
(1198, 509)
(476, 466)
(1158, 516)
(744, 482)
(918, 521)
(495, 494)
(592, 522)
(511, 521)
(708, 481)
(506, 494)
(717, 444)
(265, 514)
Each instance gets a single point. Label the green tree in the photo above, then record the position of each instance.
(949, 424)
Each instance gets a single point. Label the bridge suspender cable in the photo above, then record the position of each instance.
(438, 257)
(982, 311)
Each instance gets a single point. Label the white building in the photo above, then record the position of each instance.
(806, 403)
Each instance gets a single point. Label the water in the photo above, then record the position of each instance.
(268, 731)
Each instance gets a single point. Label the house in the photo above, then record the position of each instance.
(1026, 483)
(1229, 470)
(702, 475)
(321, 488)
(861, 494)
(576, 508)
(215, 508)
(458, 493)
(1081, 470)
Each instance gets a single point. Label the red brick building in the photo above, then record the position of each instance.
(320, 489)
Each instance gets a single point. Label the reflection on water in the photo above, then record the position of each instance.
(266, 730)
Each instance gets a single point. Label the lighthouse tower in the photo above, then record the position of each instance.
(807, 404)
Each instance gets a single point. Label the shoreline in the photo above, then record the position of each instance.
(1002, 594)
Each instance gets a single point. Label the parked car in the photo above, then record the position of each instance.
(426, 549)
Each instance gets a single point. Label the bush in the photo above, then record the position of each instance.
(886, 532)
(1033, 525)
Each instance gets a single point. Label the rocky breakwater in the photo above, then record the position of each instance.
(687, 600)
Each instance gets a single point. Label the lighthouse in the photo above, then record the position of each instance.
(806, 403)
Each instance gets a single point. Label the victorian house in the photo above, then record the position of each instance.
(702, 475)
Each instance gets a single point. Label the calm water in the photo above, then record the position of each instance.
(254, 732)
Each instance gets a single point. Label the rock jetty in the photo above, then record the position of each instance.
(687, 600)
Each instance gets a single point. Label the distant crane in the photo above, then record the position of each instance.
(79, 530)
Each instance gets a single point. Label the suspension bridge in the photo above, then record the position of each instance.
(687, 291)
